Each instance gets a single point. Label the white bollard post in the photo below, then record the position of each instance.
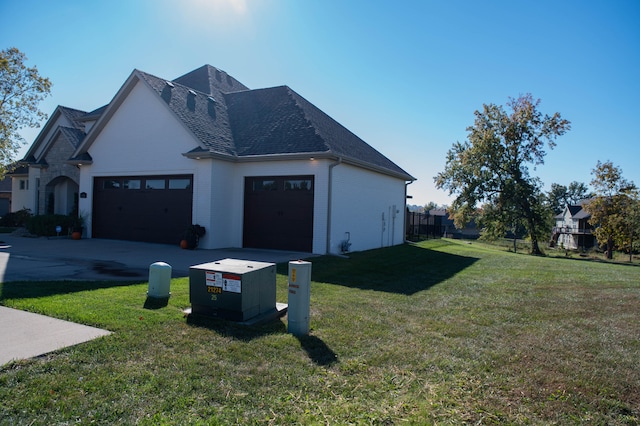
(299, 297)
(159, 280)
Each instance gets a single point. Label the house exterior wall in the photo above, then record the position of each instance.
(566, 223)
(55, 153)
(21, 197)
(59, 150)
(142, 138)
(573, 233)
(368, 206)
(215, 201)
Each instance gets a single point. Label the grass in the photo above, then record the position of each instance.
(441, 332)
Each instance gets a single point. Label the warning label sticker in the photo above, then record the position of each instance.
(227, 282)
(231, 283)
(213, 279)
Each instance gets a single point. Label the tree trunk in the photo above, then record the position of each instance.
(535, 249)
(609, 248)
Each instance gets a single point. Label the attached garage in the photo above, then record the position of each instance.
(155, 209)
(278, 213)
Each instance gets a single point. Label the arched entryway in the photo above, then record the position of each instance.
(61, 196)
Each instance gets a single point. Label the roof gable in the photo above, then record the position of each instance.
(575, 212)
(205, 115)
(62, 117)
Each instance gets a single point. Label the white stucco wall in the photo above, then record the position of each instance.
(566, 240)
(368, 206)
(142, 138)
(22, 198)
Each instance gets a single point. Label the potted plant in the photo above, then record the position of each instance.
(191, 236)
(77, 227)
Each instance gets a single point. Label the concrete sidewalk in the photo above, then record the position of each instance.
(24, 335)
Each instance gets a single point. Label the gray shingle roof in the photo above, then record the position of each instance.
(232, 121)
(73, 115)
(280, 121)
(204, 114)
(74, 136)
(270, 121)
(208, 79)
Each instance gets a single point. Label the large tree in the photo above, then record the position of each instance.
(491, 167)
(559, 195)
(21, 90)
(614, 209)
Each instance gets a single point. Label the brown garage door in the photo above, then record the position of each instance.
(278, 212)
(155, 209)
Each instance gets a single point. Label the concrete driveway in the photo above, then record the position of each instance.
(37, 259)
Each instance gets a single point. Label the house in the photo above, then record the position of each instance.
(572, 229)
(5, 194)
(258, 168)
(45, 183)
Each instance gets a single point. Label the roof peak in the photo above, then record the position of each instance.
(209, 79)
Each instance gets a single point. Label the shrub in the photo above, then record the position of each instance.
(16, 219)
(45, 225)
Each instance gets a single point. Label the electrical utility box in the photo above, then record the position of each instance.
(232, 289)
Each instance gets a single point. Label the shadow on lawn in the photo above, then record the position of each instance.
(404, 269)
(317, 350)
(29, 289)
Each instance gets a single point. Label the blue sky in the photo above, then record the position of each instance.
(405, 76)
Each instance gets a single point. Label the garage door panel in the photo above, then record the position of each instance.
(127, 211)
(278, 213)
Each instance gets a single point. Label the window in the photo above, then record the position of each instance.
(155, 184)
(131, 184)
(265, 185)
(298, 185)
(112, 184)
(24, 184)
(179, 183)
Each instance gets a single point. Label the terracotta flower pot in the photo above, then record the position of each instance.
(76, 235)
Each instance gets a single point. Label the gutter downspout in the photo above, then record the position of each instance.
(329, 203)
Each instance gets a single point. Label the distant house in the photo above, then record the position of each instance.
(5, 195)
(572, 229)
(258, 168)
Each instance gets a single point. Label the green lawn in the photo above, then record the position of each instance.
(441, 332)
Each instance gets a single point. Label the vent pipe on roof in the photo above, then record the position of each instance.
(170, 84)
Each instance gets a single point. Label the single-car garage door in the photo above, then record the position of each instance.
(278, 212)
(155, 209)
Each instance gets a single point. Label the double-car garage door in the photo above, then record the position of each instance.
(278, 210)
(154, 209)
